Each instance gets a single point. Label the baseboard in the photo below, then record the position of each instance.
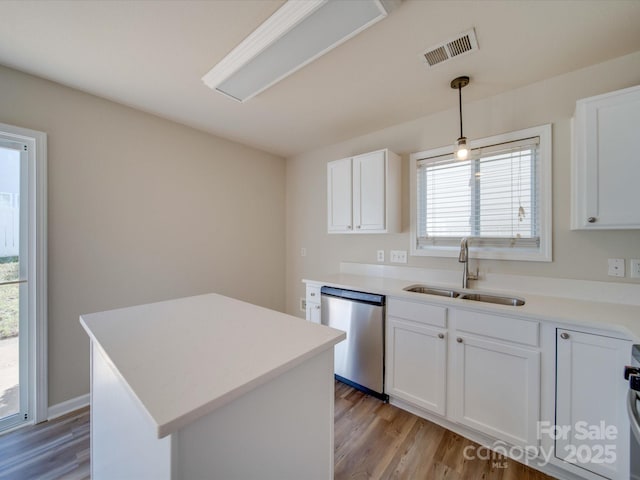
(68, 406)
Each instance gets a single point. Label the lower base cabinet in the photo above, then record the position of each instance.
(416, 364)
(313, 312)
(313, 308)
(496, 389)
(517, 381)
(592, 426)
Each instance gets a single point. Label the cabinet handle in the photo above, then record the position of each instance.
(459, 340)
(349, 227)
(312, 294)
(357, 226)
(441, 335)
(317, 307)
(592, 219)
(564, 335)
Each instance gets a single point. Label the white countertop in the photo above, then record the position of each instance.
(184, 358)
(624, 319)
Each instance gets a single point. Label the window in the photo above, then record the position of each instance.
(500, 198)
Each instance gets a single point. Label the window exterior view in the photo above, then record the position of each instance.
(9, 276)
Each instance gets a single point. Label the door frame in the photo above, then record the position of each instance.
(37, 267)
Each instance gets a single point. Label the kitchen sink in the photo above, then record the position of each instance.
(498, 299)
(465, 295)
(443, 292)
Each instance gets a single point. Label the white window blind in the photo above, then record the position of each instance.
(493, 197)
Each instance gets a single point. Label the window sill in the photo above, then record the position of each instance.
(484, 253)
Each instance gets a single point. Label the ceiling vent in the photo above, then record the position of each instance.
(457, 46)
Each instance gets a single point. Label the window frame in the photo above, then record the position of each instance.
(544, 251)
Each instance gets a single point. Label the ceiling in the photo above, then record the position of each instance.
(151, 55)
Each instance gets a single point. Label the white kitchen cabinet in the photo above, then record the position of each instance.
(495, 376)
(605, 167)
(591, 393)
(313, 303)
(416, 355)
(363, 193)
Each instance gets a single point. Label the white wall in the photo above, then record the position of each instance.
(142, 209)
(577, 255)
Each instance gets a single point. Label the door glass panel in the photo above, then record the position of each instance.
(10, 281)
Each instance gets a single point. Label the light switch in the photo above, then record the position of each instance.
(616, 267)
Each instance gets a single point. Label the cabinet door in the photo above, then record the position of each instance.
(313, 312)
(339, 195)
(369, 195)
(605, 165)
(416, 367)
(496, 389)
(591, 392)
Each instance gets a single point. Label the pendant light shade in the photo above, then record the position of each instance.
(461, 149)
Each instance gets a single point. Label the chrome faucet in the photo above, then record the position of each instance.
(463, 257)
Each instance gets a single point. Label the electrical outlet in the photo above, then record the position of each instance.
(635, 267)
(303, 304)
(616, 267)
(303, 252)
(380, 255)
(398, 256)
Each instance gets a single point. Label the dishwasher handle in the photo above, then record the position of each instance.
(362, 297)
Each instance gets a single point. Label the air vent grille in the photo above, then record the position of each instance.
(436, 56)
(461, 44)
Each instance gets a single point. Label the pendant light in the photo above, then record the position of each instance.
(461, 149)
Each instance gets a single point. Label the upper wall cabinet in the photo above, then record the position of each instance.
(605, 164)
(363, 193)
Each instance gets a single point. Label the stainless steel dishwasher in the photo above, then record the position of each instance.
(359, 360)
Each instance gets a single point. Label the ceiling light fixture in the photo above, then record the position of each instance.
(296, 34)
(461, 149)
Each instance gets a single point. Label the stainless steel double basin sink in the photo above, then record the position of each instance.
(467, 295)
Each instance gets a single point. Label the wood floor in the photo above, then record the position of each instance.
(58, 449)
(377, 440)
(373, 440)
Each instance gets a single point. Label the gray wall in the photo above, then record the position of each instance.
(576, 254)
(142, 209)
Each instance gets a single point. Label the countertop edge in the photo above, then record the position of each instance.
(188, 418)
(622, 328)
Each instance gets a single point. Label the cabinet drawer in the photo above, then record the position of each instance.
(496, 326)
(313, 293)
(418, 312)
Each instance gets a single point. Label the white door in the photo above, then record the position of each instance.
(22, 276)
(14, 262)
(339, 186)
(497, 389)
(583, 405)
(369, 175)
(313, 312)
(610, 134)
(416, 364)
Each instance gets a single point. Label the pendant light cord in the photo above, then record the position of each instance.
(460, 103)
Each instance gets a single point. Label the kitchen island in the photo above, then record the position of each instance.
(210, 387)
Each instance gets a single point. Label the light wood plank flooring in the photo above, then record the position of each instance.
(377, 440)
(47, 451)
(373, 440)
